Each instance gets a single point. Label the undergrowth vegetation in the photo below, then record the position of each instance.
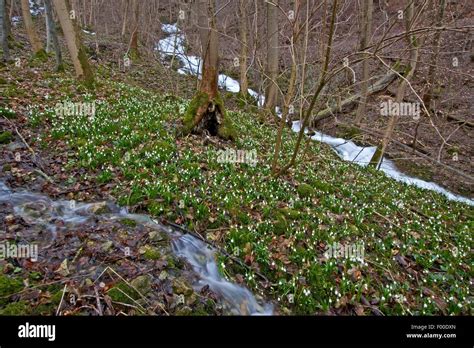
(417, 244)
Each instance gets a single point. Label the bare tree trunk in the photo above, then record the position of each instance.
(322, 82)
(291, 86)
(244, 85)
(124, 23)
(412, 42)
(134, 38)
(272, 55)
(206, 111)
(35, 42)
(74, 43)
(366, 32)
(3, 31)
(434, 59)
(8, 16)
(53, 34)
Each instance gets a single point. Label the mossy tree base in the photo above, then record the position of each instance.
(205, 113)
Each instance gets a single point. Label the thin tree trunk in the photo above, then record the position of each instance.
(74, 43)
(434, 60)
(35, 42)
(134, 38)
(291, 87)
(244, 85)
(53, 34)
(124, 23)
(3, 31)
(412, 41)
(322, 82)
(366, 33)
(272, 55)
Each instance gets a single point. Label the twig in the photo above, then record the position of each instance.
(62, 297)
(99, 306)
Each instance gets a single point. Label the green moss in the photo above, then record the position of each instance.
(8, 287)
(305, 190)
(226, 130)
(280, 226)
(88, 77)
(188, 120)
(7, 168)
(41, 56)
(119, 293)
(16, 308)
(150, 253)
(128, 222)
(290, 213)
(6, 137)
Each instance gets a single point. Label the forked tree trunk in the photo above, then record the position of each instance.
(272, 55)
(35, 42)
(206, 112)
(414, 48)
(74, 43)
(53, 34)
(3, 31)
(366, 32)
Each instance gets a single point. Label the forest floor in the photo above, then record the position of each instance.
(416, 243)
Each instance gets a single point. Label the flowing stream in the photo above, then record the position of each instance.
(43, 214)
(173, 45)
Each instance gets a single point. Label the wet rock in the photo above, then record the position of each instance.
(9, 219)
(149, 252)
(156, 236)
(99, 208)
(15, 146)
(107, 246)
(142, 284)
(129, 293)
(184, 311)
(181, 287)
(163, 275)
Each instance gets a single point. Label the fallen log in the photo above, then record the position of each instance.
(459, 120)
(410, 149)
(378, 86)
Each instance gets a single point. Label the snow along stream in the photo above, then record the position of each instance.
(174, 45)
(43, 213)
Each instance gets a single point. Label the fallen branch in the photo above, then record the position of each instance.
(463, 122)
(378, 86)
(411, 149)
